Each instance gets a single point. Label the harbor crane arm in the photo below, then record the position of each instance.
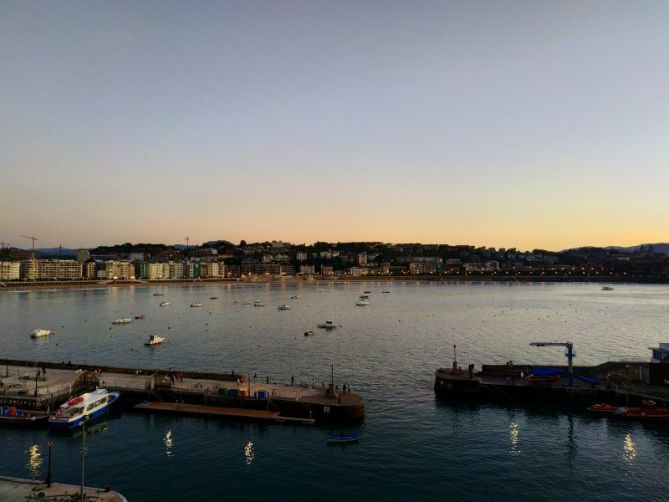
(570, 356)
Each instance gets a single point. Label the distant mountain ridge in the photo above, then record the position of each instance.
(660, 247)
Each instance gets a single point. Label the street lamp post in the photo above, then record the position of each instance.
(48, 477)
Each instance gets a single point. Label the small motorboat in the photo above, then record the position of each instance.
(284, 307)
(82, 408)
(154, 340)
(294, 297)
(647, 412)
(258, 303)
(158, 294)
(347, 438)
(327, 325)
(213, 297)
(607, 288)
(164, 304)
(140, 317)
(41, 333)
(386, 292)
(309, 333)
(602, 408)
(10, 414)
(196, 304)
(362, 302)
(125, 320)
(367, 292)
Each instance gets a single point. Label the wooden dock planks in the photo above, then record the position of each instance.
(198, 409)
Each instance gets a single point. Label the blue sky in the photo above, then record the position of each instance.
(528, 124)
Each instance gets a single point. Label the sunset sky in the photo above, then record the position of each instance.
(513, 124)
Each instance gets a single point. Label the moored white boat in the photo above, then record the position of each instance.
(125, 320)
(327, 325)
(41, 333)
(164, 304)
(82, 408)
(154, 340)
(362, 302)
(284, 307)
(196, 304)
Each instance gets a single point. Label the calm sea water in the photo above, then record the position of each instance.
(413, 446)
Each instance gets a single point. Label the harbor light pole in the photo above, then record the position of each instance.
(48, 476)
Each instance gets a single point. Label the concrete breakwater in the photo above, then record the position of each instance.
(40, 385)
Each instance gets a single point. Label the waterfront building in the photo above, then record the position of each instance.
(52, 270)
(29, 269)
(90, 269)
(193, 270)
(176, 270)
(156, 271)
(362, 258)
(327, 270)
(119, 270)
(10, 270)
(307, 269)
(301, 256)
(210, 270)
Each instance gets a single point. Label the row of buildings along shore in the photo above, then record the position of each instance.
(222, 259)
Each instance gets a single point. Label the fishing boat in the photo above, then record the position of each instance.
(82, 408)
(164, 304)
(309, 333)
(327, 325)
(10, 414)
(41, 333)
(154, 340)
(196, 304)
(125, 320)
(347, 438)
(284, 307)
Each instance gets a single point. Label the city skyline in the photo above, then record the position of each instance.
(518, 125)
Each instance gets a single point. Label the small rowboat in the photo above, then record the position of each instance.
(349, 438)
(17, 416)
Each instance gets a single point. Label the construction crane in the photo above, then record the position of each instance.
(569, 354)
(32, 238)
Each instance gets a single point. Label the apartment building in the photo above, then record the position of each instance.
(62, 270)
(122, 270)
(10, 270)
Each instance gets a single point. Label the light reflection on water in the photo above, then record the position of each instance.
(168, 441)
(35, 460)
(629, 448)
(249, 453)
(513, 435)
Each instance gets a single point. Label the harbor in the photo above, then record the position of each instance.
(43, 386)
